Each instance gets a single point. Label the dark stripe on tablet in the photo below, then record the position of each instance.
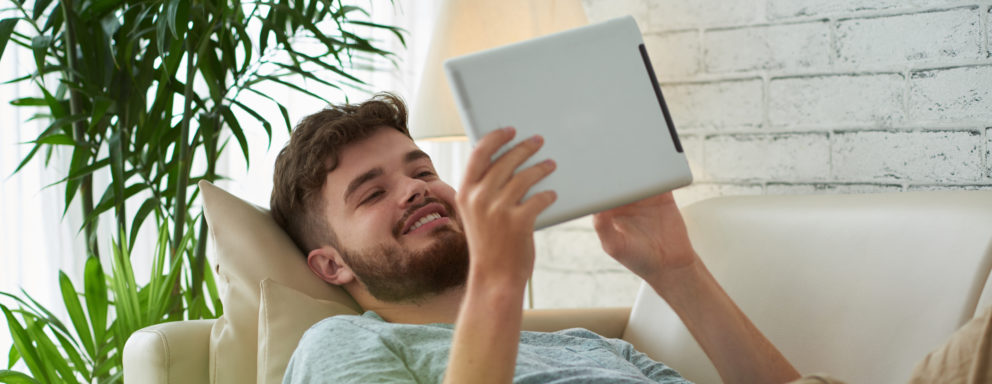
(661, 99)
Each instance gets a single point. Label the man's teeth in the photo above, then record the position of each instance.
(424, 220)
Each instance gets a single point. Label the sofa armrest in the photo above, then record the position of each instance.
(608, 322)
(169, 353)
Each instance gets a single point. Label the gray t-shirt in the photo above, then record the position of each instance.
(367, 349)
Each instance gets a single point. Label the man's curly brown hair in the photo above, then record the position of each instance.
(313, 150)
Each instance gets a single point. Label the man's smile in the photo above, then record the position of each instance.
(424, 218)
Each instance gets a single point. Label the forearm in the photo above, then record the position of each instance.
(487, 333)
(740, 352)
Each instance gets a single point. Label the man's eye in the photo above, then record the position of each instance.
(425, 174)
(375, 195)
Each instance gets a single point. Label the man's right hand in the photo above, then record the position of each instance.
(499, 226)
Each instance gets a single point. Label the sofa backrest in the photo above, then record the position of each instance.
(857, 286)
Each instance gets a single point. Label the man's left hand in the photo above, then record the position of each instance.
(648, 236)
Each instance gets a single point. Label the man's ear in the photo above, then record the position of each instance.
(327, 263)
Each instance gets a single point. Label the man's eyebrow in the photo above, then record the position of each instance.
(415, 155)
(410, 157)
(362, 179)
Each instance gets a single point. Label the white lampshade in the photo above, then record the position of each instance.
(466, 26)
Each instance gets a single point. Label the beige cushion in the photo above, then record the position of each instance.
(250, 248)
(283, 316)
(860, 286)
(168, 353)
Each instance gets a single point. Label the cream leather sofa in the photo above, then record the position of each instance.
(857, 286)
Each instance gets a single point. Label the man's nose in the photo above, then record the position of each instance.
(416, 191)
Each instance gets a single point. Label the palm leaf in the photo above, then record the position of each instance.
(6, 27)
(14, 377)
(24, 346)
(76, 315)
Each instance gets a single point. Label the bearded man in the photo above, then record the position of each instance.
(442, 274)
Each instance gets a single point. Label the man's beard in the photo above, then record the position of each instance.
(393, 274)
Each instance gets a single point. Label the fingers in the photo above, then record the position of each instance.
(482, 156)
(521, 182)
(502, 168)
(538, 203)
(493, 186)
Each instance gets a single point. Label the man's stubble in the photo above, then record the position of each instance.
(394, 274)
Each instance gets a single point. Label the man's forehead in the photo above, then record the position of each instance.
(386, 146)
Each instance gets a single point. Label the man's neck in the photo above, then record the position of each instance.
(440, 308)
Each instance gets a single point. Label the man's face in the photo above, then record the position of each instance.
(394, 219)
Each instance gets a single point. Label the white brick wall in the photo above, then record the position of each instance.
(757, 156)
(915, 37)
(677, 51)
(779, 9)
(962, 93)
(705, 105)
(800, 96)
(836, 99)
(940, 156)
(785, 46)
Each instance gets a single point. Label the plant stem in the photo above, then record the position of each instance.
(183, 164)
(182, 157)
(79, 128)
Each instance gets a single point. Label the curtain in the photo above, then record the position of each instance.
(35, 239)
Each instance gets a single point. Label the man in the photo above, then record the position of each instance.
(368, 209)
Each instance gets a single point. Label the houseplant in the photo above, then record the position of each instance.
(148, 94)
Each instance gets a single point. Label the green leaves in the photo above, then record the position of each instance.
(111, 76)
(75, 310)
(14, 377)
(6, 27)
(22, 341)
(40, 45)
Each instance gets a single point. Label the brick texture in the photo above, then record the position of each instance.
(768, 47)
(714, 105)
(800, 97)
(963, 93)
(836, 99)
(930, 36)
(778, 9)
(693, 147)
(598, 11)
(819, 188)
(949, 188)
(673, 54)
(573, 251)
(680, 14)
(556, 289)
(760, 156)
(935, 156)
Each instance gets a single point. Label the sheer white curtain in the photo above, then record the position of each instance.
(35, 239)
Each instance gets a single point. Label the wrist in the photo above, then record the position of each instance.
(680, 280)
(494, 283)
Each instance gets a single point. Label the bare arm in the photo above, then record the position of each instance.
(649, 237)
(739, 351)
(499, 226)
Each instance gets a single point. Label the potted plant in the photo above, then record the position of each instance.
(148, 92)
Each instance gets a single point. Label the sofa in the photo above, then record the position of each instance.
(857, 286)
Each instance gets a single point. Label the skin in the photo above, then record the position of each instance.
(648, 237)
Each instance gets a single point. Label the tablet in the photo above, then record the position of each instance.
(593, 95)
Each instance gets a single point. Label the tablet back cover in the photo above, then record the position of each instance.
(592, 94)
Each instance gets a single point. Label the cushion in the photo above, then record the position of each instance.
(283, 316)
(251, 248)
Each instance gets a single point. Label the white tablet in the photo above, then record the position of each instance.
(592, 93)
